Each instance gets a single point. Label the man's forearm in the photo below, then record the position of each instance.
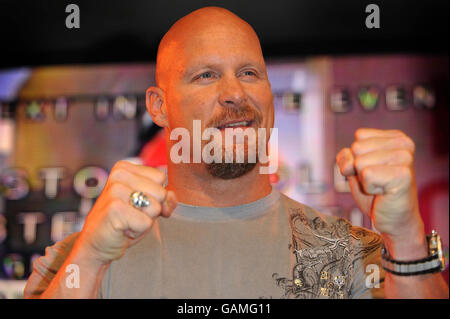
(79, 277)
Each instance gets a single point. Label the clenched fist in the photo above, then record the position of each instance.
(379, 166)
(113, 224)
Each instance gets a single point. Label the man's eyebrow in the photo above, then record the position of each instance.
(259, 67)
(194, 68)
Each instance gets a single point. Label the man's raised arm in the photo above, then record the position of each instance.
(380, 168)
(113, 225)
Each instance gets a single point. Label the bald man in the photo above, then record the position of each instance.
(230, 234)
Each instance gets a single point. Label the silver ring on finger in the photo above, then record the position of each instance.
(139, 200)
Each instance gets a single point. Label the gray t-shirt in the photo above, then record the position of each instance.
(274, 247)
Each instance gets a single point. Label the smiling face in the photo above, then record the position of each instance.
(211, 68)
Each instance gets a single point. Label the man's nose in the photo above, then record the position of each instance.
(231, 92)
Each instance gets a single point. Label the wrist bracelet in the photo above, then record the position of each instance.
(435, 262)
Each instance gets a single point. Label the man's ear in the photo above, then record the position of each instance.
(155, 103)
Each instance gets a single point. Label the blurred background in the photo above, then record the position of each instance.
(72, 104)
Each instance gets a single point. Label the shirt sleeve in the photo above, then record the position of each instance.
(46, 267)
(368, 281)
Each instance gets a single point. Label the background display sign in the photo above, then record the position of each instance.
(56, 150)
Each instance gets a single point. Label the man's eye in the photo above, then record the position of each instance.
(206, 75)
(249, 73)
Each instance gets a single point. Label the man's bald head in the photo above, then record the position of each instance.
(210, 70)
(205, 24)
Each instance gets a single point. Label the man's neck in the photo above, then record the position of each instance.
(197, 188)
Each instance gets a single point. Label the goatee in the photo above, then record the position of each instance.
(229, 170)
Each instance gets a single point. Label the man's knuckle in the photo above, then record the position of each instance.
(355, 147)
(359, 163)
(157, 192)
(119, 164)
(115, 189)
(115, 205)
(398, 132)
(407, 142)
(160, 177)
(407, 156)
(411, 143)
(160, 194)
(146, 223)
(116, 174)
(358, 133)
(366, 174)
(157, 208)
(116, 223)
(341, 170)
(405, 172)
